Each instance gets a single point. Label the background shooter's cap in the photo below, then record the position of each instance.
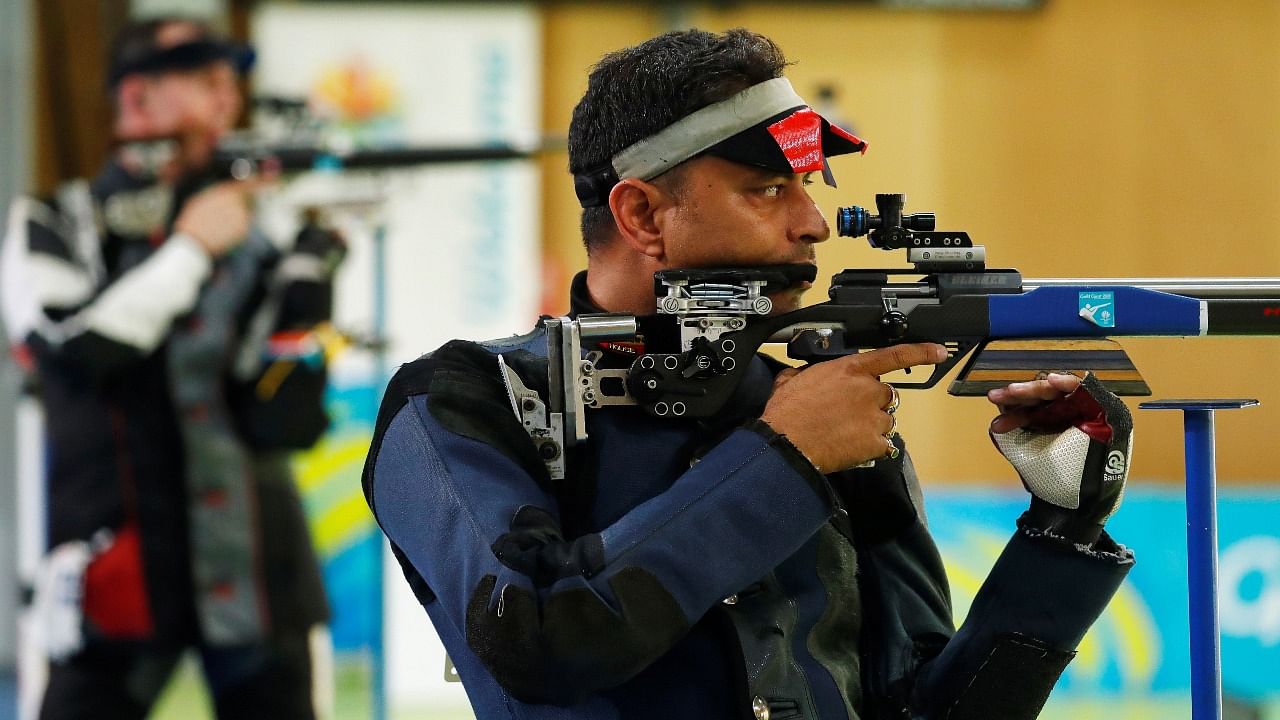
(145, 56)
(767, 125)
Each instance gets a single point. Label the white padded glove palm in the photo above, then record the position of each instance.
(1073, 458)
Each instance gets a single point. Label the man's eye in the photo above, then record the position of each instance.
(807, 179)
(773, 191)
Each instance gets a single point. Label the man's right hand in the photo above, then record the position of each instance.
(834, 412)
(218, 217)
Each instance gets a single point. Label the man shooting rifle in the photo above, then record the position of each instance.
(770, 561)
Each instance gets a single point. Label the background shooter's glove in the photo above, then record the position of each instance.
(1073, 458)
(279, 395)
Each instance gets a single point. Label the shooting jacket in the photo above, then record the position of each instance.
(166, 459)
(691, 569)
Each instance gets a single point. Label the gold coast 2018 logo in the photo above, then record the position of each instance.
(362, 97)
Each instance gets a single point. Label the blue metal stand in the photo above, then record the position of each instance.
(379, 650)
(1202, 549)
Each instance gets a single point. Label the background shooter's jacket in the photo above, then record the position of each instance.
(150, 362)
(689, 570)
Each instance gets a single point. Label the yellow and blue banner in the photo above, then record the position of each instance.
(1139, 647)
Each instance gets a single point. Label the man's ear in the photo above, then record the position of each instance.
(635, 205)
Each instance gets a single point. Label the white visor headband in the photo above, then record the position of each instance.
(704, 128)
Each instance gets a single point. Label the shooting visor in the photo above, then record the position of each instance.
(767, 125)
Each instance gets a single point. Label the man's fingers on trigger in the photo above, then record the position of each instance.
(898, 357)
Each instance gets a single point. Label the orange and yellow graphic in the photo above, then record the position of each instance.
(355, 91)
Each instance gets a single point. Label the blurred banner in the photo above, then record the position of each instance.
(435, 253)
(1139, 647)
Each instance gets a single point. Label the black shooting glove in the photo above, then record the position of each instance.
(307, 277)
(1073, 458)
(281, 374)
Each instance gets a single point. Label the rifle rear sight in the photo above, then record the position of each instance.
(929, 250)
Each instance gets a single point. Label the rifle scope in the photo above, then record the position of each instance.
(855, 221)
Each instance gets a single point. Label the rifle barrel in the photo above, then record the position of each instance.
(243, 162)
(1201, 288)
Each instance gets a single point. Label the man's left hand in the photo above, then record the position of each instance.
(1017, 400)
(1070, 441)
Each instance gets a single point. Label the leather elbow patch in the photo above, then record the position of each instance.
(535, 547)
(1013, 682)
(572, 644)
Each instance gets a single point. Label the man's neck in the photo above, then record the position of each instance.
(622, 281)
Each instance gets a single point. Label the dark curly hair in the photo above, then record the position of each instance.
(636, 92)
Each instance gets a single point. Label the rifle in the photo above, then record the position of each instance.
(1012, 329)
(241, 158)
(293, 139)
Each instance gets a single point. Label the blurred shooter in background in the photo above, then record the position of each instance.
(173, 349)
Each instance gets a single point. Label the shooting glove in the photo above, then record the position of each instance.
(278, 399)
(1074, 459)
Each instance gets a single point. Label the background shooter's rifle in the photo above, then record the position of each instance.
(241, 159)
(289, 138)
(1020, 329)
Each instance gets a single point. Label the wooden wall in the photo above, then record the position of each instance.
(1090, 138)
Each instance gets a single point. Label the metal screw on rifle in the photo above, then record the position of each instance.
(736, 323)
(549, 450)
(762, 305)
(651, 383)
(528, 405)
(588, 397)
(588, 367)
(704, 323)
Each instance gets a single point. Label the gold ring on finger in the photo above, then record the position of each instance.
(894, 400)
(893, 452)
(893, 427)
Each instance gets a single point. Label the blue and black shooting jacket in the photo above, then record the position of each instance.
(694, 569)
